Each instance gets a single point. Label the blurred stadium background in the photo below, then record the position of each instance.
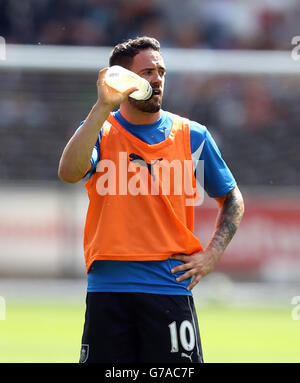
(230, 68)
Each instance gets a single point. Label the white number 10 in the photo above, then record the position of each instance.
(185, 327)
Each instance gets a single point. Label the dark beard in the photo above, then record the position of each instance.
(148, 106)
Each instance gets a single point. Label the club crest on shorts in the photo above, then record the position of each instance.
(84, 353)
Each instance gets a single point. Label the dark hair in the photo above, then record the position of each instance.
(123, 53)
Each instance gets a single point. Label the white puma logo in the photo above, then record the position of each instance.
(184, 355)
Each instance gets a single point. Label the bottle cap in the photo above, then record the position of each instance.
(143, 94)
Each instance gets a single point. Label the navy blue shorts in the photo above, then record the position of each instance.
(140, 328)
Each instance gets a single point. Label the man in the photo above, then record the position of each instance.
(141, 254)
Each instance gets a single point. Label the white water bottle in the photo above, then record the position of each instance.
(122, 79)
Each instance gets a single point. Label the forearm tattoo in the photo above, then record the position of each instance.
(228, 220)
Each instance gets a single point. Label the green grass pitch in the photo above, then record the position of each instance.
(51, 333)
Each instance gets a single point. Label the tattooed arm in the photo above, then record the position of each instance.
(200, 264)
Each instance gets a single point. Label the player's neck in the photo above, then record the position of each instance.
(137, 117)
